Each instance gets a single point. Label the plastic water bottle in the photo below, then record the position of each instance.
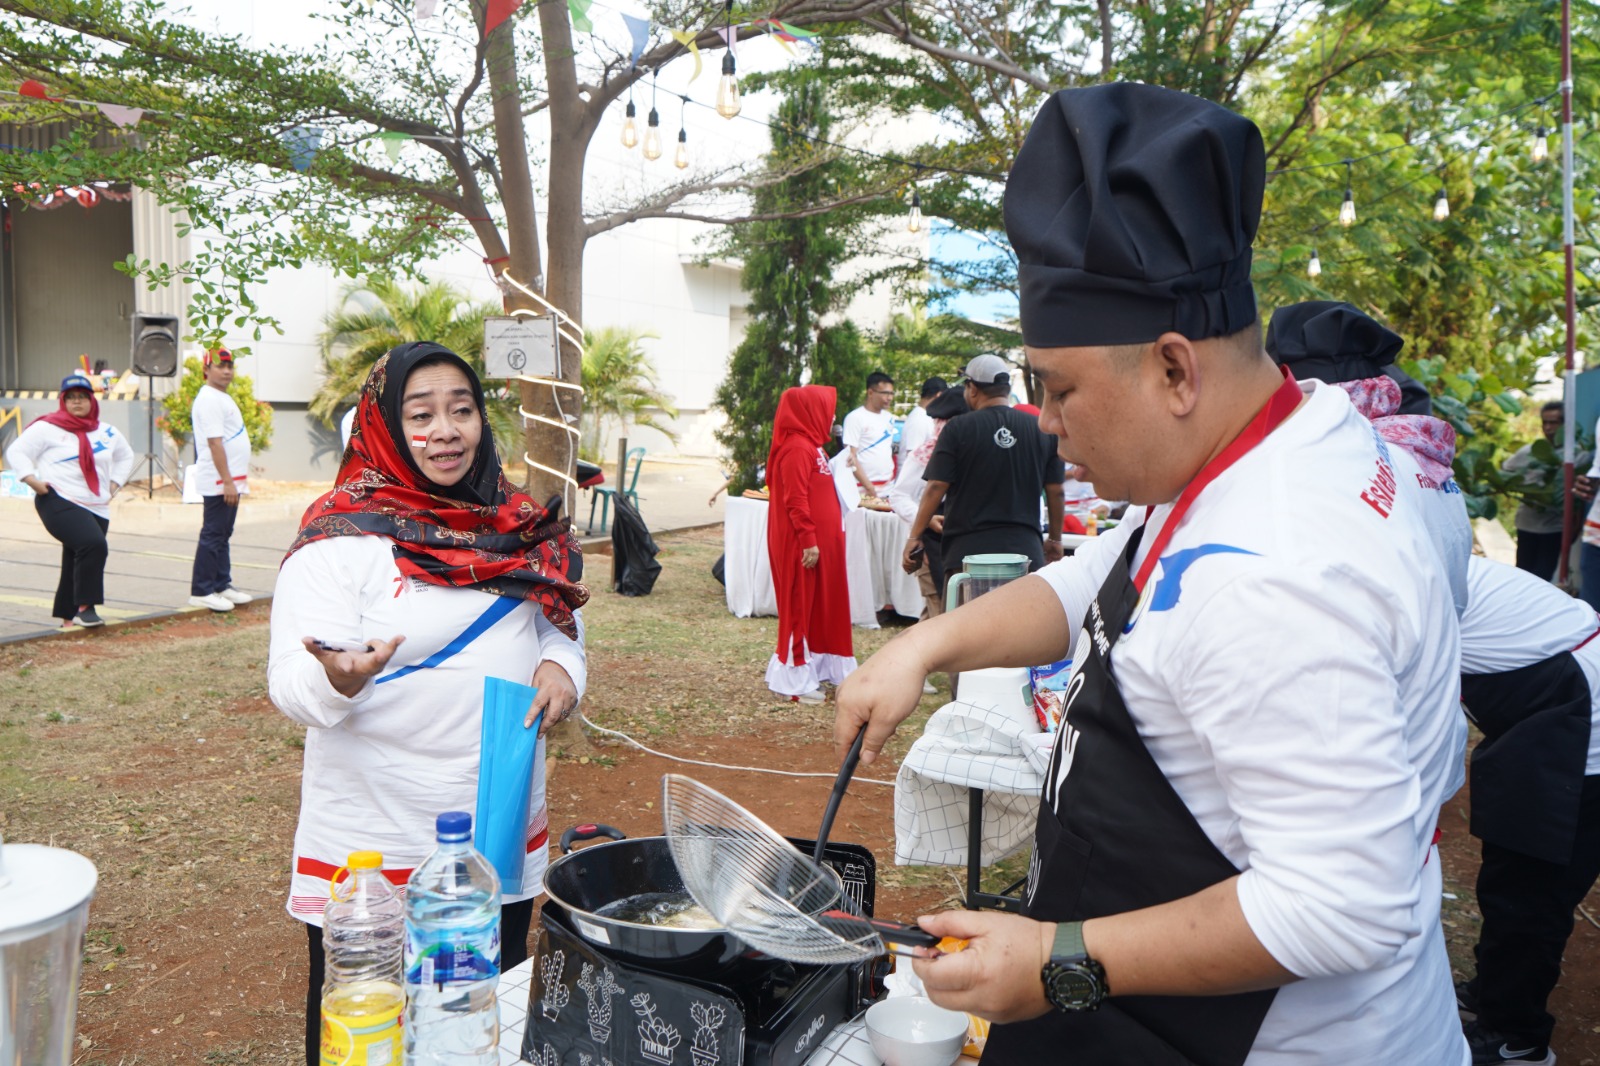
(363, 936)
(452, 960)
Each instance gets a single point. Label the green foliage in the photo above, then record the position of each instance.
(619, 383)
(177, 404)
(915, 347)
(789, 268)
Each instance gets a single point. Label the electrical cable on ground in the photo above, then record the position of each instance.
(717, 765)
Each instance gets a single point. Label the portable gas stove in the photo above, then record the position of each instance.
(587, 1007)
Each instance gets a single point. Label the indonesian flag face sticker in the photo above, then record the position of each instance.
(419, 440)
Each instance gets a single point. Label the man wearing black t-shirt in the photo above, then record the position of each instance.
(988, 469)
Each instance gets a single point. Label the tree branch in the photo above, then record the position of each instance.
(886, 23)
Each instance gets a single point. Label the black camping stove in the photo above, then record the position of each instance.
(589, 1008)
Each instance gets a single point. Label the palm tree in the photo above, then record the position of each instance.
(619, 381)
(377, 314)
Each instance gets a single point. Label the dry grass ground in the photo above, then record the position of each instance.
(153, 751)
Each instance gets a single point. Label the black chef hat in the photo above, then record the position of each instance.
(1131, 209)
(1335, 342)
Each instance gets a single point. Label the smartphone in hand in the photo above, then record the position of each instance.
(341, 645)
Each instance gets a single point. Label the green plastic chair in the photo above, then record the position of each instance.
(628, 486)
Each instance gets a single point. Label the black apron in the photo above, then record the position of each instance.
(1528, 771)
(1114, 836)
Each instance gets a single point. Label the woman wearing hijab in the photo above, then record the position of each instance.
(438, 573)
(805, 543)
(74, 463)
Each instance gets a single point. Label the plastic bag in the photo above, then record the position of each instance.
(633, 552)
(505, 779)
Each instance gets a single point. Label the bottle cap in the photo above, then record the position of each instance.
(453, 824)
(364, 860)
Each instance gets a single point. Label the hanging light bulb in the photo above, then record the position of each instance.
(1441, 206)
(1314, 266)
(1538, 148)
(681, 160)
(1347, 210)
(652, 136)
(728, 104)
(630, 132)
(914, 219)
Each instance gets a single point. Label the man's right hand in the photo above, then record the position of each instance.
(1584, 487)
(348, 671)
(230, 493)
(880, 694)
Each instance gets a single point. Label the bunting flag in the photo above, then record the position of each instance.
(497, 12)
(640, 28)
(302, 143)
(123, 117)
(776, 34)
(686, 39)
(579, 9)
(730, 37)
(37, 90)
(392, 140)
(426, 9)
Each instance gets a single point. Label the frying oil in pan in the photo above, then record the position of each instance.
(669, 910)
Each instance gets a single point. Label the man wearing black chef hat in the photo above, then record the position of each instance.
(1234, 852)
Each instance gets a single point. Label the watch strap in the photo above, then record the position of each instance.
(1068, 942)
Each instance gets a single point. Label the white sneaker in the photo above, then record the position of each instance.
(233, 595)
(216, 602)
(816, 695)
(928, 689)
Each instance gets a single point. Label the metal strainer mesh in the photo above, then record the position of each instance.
(755, 882)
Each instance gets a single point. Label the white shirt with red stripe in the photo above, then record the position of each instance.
(215, 415)
(381, 765)
(1293, 671)
(1515, 619)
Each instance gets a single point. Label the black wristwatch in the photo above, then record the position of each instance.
(1072, 980)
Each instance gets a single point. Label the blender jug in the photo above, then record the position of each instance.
(44, 912)
(983, 573)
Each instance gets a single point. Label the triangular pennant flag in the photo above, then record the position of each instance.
(579, 9)
(123, 117)
(302, 143)
(640, 28)
(795, 31)
(779, 36)
(688, 41)
(426, 9)
(497, 12)
(37, 90)
(730, 37)
(392, 140)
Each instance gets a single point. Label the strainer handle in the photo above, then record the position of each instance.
(840, 783)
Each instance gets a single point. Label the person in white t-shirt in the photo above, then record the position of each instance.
(74, 463)
(428, 573)
(346, 427)
(918, 425)
(222, 464)
(1530, 665)
(869, 437)
(1234, 858)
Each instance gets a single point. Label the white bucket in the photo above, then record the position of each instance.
(44, 913)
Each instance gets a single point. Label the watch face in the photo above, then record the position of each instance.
(1073, 987)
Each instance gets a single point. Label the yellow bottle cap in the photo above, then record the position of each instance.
(365, 860)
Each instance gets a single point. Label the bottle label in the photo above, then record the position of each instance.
(364, 1031)
(453, 956)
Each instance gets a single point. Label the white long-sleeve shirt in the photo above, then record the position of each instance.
(50, 453)
(1294, 673)
(382, 764)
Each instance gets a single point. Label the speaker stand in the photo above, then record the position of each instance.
(152, 456)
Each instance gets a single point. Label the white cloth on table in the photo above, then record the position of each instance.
(873, 544)
(747, 570)
(991, 741)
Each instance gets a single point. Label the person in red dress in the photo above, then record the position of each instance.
(805, 544)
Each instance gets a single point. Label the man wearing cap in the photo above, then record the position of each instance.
(1234, 857)
(222, 465)
(988, 470)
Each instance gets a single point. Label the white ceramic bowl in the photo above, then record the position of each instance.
(912, 1031)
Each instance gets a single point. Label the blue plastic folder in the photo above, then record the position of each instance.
(505, 779)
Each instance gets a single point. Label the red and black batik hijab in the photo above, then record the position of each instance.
(479, 533)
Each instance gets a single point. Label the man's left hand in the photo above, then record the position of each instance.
(997, 976)
(1584, 487)
(557, 696)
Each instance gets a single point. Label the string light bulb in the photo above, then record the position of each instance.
(630, 132)
(1539, 148)
(652, 136)
(681, 160)
(728, 104)
(1314, 265)
(914, 219)
(1347, 210)
(1441, 206)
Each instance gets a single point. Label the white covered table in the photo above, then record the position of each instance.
(873, 542)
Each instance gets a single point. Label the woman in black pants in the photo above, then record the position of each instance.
(74, 463)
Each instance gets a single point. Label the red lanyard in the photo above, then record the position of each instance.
(1269, 418)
